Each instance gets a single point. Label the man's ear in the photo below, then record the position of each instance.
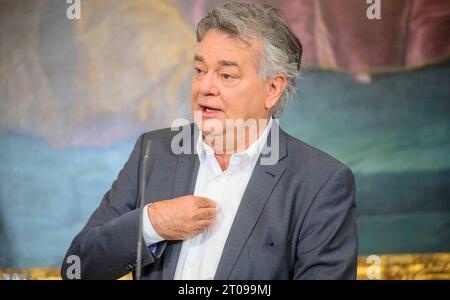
(275, 87)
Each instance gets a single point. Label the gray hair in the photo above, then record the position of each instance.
(282, 49)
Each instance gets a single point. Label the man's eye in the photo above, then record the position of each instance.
(198, 71)
(227, 76)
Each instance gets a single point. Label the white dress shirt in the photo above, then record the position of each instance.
(200, 255)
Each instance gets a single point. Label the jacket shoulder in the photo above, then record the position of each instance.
(164, 138)
(310, 158)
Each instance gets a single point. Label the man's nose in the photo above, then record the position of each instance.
(209, 85)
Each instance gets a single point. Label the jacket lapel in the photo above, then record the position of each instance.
(259, 188)
(184, 184)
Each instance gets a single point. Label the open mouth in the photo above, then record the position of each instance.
(209, 109)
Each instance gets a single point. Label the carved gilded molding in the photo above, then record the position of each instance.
(405, 266)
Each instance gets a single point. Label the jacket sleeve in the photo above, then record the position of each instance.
(106, 246)
(328, 244)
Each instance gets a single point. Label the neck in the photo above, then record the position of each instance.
(235, 140)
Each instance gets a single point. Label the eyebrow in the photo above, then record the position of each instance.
(226, 63)
(198, 58)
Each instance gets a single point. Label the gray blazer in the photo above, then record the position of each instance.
(296, 219)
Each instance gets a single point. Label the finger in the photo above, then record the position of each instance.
(207, 213)
(203, 224)
(204, 202)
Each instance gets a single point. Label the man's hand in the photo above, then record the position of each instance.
(181, 218)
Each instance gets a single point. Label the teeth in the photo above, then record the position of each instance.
(210, 110)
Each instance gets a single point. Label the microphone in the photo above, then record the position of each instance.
(143, 171)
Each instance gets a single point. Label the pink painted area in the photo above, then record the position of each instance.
(338, 35)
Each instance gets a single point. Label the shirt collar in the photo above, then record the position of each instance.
(251, 153)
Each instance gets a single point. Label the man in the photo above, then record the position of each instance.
(219, 211)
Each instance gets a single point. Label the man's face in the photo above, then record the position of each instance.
(226, 83)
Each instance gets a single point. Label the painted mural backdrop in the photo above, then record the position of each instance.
(75, 94)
